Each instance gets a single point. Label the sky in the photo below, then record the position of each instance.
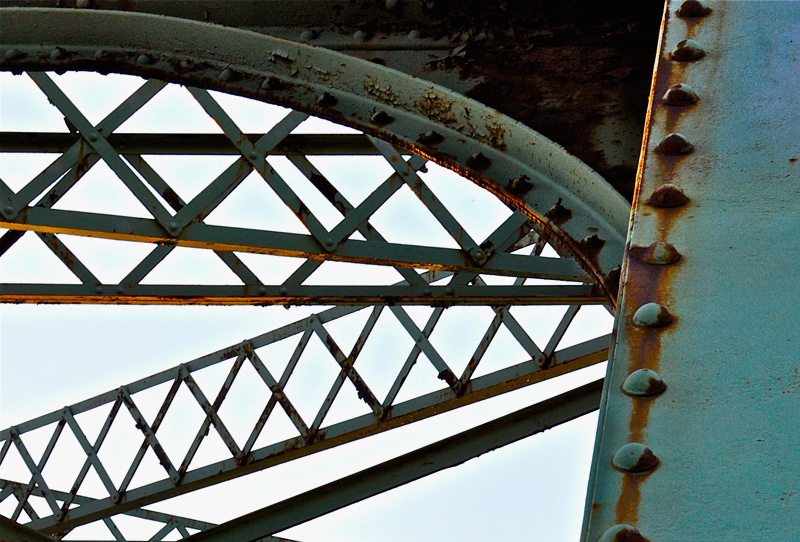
(55, 355)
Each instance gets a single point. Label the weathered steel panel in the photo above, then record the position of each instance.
(719, 457)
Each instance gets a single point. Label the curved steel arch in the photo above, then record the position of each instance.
(577, 211)
(572, 207)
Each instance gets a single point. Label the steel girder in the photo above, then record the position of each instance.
(557, 201)
(697, 440)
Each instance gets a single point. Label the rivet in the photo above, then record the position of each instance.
(308, 35)
(327, 100)
(680, 95)
(520, 185)
(99, 289)
(668, 195)
(687, 51)
(83, 4)
(643, 383)
(477, 255)
(253, 154)
(592, 242)
(381, 118)
(329, 243)
(9, 211)
(622, 533)
(143, 60)
(13, 53)
(430, 138)
(652, 315)
(284, 291)
(661, 253)
(426, 291)
(558, 214)
(392, 4)
(674, 145)
(173, 227)
(635, 457)
(414, 35)
(478, 162)
(448, 291)
(120, 290)
(360, 35)
(693, 8)
(100, 54)
(225, 74)
(56, 53)
(94, 137)
(186, 64)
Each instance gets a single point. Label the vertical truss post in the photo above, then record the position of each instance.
(698, 436)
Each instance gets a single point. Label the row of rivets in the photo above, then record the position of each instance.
(635, 457)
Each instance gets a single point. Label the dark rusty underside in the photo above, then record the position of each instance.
(578, 71)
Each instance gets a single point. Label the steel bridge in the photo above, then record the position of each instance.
(438, 192)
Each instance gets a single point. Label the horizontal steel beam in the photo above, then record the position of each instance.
(583, 294)
(441, 455)
(221, 238)
(206, 144)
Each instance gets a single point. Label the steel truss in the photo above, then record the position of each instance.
(555, 201)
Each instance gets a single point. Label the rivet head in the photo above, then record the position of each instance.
(558, 214)
(643, 383)
(622, 533)
(98, 289)
(381, 118)
(144, 60)
(284, 291)
(520, 185)
(13, 53)
(414, 35)
(56, 53)
(448, 291)
(426, 291)
(94, 137)
(360, 35)
(477, 255)
(253, 154)
(687, 51)
(668, 195)
(635, 457)
(327, 100)
(680, 95)
(392, 4)
(430, 138)
(120, 290)
(693, 8)
(308, 35)
(661, 253)
(9, 211)
(478, 161)
(674, 144)
(186, 64)
(173, 227)
(225, 74)
(329, 243)
(652, 315)
(99, 54)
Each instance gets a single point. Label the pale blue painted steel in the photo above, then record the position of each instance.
(725, 429)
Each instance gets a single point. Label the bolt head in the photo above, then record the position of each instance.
(622, 533)
(635, 457)
(687, 51)
(680, 95)
(643, 383)
(652, 315)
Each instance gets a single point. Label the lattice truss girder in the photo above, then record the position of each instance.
(32, 208)
(509, 267)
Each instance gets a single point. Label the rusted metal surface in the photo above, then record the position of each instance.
(577, 71)
(704, 368)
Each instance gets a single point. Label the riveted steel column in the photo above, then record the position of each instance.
(698, 435)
